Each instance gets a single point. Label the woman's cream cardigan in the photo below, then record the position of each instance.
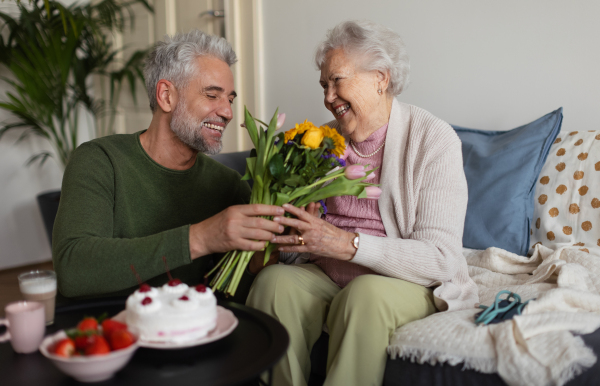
(422, 205)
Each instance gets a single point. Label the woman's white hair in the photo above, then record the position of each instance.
(174, 59)
(375, 46)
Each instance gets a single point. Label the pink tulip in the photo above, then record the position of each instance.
(373, 192)
(354, 172)
(280, 120)
(370, 176)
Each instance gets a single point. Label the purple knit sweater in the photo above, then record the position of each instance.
(355, 215)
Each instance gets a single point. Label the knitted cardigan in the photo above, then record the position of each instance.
(423, 206)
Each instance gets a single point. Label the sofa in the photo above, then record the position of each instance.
(511, 186)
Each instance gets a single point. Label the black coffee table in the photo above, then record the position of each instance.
(254, 347)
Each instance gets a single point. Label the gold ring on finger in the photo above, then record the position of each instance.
(301, 240)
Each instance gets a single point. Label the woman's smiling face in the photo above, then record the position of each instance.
(351, 95)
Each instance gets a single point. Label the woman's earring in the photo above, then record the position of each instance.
(379, 91)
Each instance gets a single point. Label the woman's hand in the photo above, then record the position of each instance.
(319, 236)
(312, 209)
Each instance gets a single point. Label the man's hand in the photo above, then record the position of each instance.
(237, 227)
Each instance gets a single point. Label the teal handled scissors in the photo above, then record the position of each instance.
(502, 309)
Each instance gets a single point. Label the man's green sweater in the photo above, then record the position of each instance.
(119, 208)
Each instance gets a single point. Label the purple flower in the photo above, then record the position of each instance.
(340, 161)
(323, 206)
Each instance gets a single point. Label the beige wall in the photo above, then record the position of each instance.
(484, 64)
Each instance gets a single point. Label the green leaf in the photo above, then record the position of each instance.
(271, 129)
(294, 180)
(276, 166)
(281, 198)
(328, 143)
(280, 143)
(250, 165)
(251, 127)
(40, 157)
(297, 159)
(258, 181)
(341, 186)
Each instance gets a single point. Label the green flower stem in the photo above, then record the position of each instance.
(219, 263)
(237, 274)
(261, 122)
(301, 191)
(241, 267)
(227, 270)
(218, 276)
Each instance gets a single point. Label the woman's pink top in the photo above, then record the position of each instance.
(355, 215)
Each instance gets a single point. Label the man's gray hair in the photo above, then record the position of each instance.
(174, 59)
(376, 48)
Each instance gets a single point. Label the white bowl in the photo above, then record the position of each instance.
(94, 368)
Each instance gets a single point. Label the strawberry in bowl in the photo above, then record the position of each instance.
(91, 352)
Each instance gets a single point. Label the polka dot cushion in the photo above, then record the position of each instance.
(567, 199)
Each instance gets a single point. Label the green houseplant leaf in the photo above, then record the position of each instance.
(51, 52)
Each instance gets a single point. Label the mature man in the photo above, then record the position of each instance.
(128, 200)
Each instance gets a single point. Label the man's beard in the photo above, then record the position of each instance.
(189, 130)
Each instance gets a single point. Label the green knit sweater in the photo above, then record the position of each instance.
(120, 208)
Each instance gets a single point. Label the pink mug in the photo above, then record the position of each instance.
(26, 326)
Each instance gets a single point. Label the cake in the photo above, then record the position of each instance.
(173, 313)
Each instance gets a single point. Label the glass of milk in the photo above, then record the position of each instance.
(40, 286)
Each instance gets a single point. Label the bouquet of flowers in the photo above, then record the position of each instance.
(300, 166)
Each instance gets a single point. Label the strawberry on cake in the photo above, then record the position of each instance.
(173, 313)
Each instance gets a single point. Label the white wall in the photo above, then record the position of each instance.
(23, 237)
(492, 65)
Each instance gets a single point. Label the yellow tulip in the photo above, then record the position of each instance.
(313, 137)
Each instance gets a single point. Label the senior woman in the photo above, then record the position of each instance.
(374, 265)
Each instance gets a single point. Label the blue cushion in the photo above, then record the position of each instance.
(502, 168)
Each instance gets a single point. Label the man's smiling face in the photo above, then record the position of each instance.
(204, 106)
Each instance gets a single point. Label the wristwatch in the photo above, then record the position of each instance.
(356, 240)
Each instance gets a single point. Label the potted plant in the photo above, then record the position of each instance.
(52, 52)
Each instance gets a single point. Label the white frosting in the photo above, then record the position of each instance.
(38, 285)
(168, 318)
(189, 304)
(148, 308)
(150, 294)
(176, 289)
(192, 293)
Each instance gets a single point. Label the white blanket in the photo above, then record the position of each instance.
(535, 348)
